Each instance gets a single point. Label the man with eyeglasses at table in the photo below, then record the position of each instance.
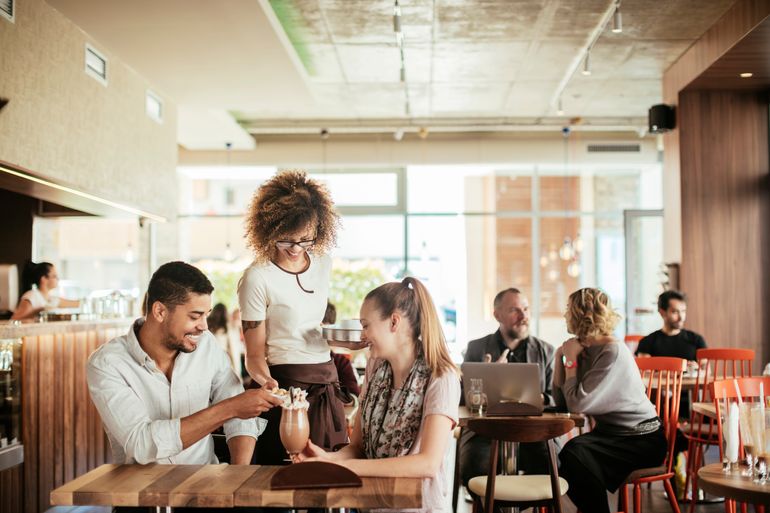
(511, 343)
(163, 387)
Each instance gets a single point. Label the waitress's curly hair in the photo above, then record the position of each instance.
(590, 313)
(286, 204)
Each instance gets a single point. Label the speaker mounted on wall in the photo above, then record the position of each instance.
(661, 118)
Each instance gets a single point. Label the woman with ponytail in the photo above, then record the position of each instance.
(596, 375)
(409, 404)
(38, 281)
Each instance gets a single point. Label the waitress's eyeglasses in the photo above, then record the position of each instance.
(288, 244)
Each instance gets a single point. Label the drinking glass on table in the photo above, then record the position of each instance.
(477, 399)
(752, 430)
(762, 451)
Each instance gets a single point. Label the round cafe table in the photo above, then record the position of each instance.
(733, 485)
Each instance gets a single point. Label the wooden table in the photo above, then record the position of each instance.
(578, 418)
(733, 485)
(705, 409)
(224, 486)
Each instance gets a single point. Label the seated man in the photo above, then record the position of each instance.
(164, 386)
(672, 339)
(511, 343)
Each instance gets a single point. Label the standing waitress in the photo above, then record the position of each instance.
(39, 280)
(291, 224)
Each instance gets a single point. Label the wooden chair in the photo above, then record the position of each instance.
(456, 482)
(713, 364)
(663, 378)
(524, 491)
(749, 390)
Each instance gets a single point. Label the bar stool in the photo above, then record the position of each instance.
(525, 491)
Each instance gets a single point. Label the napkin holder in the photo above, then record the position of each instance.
(314, 474)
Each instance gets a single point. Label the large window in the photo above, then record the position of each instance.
(466, 231)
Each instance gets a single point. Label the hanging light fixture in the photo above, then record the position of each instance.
(577, 243)
(228, 254)
(129, 256)
(566, 251)
(573, 269)
(544, 261)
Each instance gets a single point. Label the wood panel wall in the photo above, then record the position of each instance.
(723, 143)
(62, 431)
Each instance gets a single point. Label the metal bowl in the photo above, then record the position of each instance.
(336, 333)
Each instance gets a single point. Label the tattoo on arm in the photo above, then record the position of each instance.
(247, 325)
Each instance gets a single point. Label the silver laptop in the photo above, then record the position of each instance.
(511, 388)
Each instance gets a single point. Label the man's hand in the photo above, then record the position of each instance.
(253, 402)
(503, 357)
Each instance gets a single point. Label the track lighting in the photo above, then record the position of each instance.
(617, 20)
(587, 64)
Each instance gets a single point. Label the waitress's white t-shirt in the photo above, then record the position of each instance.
(292, 315)
(37, 300)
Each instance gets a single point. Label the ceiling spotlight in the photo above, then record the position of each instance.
(423, 133)
(747, 75)
(324, 134)
(587, 64)
(617, 20)
(398, 134)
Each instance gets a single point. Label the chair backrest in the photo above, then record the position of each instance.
(662, 375)
(521, 429)
(749, 389)
(720, 363)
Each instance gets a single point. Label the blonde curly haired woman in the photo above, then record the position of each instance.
(596, 375)
(291, 225)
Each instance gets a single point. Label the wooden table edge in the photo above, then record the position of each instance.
(730, 492)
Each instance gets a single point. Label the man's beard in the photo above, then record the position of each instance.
(175, 344)
(518, 333)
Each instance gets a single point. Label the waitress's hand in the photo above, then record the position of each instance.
(311, 452)
(270, 384)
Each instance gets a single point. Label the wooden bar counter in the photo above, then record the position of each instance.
(61, 430)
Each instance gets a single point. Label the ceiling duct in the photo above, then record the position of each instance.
(614, 148)
(7, 9)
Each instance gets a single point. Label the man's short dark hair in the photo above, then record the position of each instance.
(665, 298)
(173, 282)
(500, 295)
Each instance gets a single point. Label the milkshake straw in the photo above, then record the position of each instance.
(737, 392)
(762, 398)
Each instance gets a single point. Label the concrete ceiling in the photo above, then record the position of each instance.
(295, 65)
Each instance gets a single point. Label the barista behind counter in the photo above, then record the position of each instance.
(39, 280)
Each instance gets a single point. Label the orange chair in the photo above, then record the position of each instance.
(663, 377)
(713, 364)
(632, 342)
(749, 390)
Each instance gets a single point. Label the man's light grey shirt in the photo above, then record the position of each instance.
(142, 411)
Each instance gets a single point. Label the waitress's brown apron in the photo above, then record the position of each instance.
(328, 428)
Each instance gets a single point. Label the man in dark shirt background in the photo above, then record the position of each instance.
(672, 339)
(511, 343)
